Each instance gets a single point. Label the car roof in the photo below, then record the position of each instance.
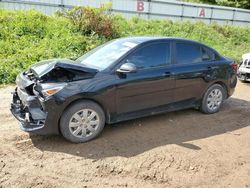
(144, 39)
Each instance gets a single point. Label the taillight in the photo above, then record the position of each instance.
(234, 66)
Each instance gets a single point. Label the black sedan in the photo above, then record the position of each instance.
(123, 79)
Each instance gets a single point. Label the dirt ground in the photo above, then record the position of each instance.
(179, 149)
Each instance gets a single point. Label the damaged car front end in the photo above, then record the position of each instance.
(38, 97)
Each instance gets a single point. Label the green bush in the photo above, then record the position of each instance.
(93, 21)
(29, 36)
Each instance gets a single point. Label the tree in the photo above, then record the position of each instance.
(235, 3)
(231, 3)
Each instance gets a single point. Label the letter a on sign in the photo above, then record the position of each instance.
(202, 12)
(140, 6)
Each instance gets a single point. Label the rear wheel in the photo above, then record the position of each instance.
(82, 121)
(213, 99)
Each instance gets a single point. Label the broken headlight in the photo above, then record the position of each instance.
(49, 89)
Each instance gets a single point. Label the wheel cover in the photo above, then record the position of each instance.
(84, 123)
(214, 99)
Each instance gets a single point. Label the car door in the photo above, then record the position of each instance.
(151, 85)
(192, 70)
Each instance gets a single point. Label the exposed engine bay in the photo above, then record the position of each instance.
(60, 70)
(53, 71)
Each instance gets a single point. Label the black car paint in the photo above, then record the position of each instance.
(132, 95)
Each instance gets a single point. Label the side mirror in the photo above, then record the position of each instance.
(126, 68)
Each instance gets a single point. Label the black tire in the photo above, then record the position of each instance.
(74, 109)
(205, 104)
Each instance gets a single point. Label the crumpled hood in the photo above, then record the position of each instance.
(43, 67)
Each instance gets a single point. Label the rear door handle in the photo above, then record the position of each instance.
(212, 67)
(167, 74)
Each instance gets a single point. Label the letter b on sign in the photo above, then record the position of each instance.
(140, 6)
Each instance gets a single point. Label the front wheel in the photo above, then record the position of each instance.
(82, 121)
(212, 99)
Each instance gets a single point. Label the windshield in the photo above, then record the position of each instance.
(106, 54)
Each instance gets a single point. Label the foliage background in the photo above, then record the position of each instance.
(231, 3)
(29, 36)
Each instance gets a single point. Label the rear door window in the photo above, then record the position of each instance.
(188, 53)
(207, 55)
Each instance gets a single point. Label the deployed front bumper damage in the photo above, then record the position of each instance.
(34, 113)
(28, 110)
